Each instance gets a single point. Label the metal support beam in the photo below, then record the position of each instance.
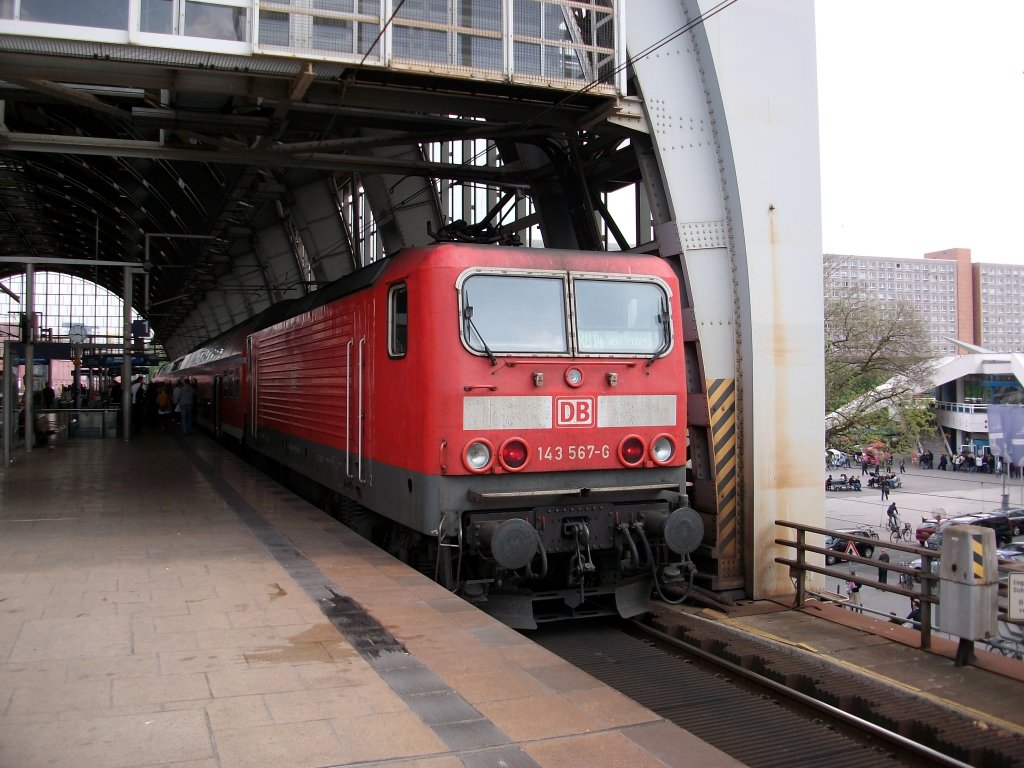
(126, 362)
(30, 313)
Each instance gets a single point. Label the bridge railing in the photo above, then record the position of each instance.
(563, 44)
(800, 567)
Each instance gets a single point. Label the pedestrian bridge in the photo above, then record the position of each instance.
(563, 45)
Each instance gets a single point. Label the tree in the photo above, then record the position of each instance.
(877, 359)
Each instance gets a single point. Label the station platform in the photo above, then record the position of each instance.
(163, 603)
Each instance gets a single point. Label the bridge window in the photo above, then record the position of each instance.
(219, 20)
(106, 14)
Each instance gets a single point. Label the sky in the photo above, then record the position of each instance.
(921, 112)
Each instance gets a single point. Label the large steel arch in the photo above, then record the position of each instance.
(733, 178)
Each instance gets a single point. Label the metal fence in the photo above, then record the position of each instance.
(800, 567)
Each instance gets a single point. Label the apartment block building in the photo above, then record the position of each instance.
(980, 304)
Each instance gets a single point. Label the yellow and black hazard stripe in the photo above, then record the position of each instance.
(722, 420)
(977, 557)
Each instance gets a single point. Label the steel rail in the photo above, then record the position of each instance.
(876, 731)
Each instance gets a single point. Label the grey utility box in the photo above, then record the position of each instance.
(969, 582)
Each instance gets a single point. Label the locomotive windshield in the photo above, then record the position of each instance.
(515, 314)
(510, 314)
(615, 317)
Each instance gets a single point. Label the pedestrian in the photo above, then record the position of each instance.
(914, 617)
(186, 397)
(883, 483)
(883, 573)
(175, 393)
(49, 396)
(864, 466)
(853, 593)
(163, 408)
(903, 466)
(942, 462)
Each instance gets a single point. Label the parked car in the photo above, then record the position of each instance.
(1016, 516)
(1014, 553)
(838, 544)
(999, 523)
(926, 529)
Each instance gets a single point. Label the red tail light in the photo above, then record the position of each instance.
(513, 454)
(631, 451)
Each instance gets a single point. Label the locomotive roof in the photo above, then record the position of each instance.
(343, 286)
(233, 339)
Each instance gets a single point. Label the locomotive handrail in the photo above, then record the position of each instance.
(359, 405)
(606, 361)
(491, 495)
(253, 388)
(348, 409)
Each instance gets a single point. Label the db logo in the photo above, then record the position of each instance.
(574, 411)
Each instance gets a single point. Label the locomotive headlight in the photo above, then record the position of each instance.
(478, 456)
(663, 448)
(631, 451)
(513, 454)
(573, 377)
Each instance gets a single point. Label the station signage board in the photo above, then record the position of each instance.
(1015, 597)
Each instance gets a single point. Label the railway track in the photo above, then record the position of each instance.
(770, 706)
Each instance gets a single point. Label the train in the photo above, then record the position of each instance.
(511, 421)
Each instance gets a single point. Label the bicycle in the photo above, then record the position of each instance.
(907, 581)
(896, 533)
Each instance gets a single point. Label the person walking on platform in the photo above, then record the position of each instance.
(186, 397)
(175, 394)
(163, 408)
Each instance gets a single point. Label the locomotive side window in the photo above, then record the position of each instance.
(618, 317)
(398, 320)
(515, 314)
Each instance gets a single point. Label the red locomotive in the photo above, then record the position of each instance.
(518, 413)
